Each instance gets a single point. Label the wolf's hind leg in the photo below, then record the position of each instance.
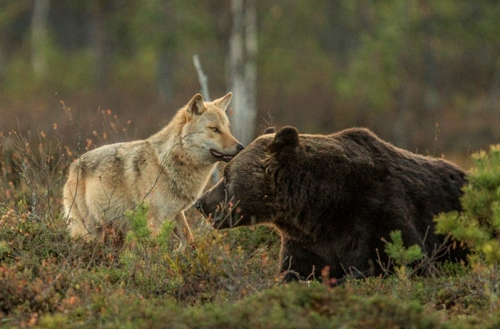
(79, 225)
(76, 227)
(76, 214)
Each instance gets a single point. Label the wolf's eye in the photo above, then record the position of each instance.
(215, 129)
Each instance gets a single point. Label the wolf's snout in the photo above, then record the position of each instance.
(226, 157)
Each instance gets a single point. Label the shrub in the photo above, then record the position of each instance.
(288, 306)
(402, 256)
(478, 224)
(214, 266)
(224, 279)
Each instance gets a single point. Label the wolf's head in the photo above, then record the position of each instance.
(206, 131)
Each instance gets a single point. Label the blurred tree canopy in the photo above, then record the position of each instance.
(408, 70)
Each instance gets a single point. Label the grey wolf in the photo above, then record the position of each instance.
(167, 171)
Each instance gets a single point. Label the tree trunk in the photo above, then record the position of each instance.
(402, 128)
(402, 121)
(236, 62)
(3, 56)
(39, 34)
(99, 42)
(251, 68)
(495, 89)
(165, 75)
(431, 98)
(166, 53)
(243, 71)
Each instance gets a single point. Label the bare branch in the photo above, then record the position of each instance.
(202, 78)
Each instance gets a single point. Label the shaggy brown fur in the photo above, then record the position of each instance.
(335, 197)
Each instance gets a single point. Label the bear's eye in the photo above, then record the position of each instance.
(215, 129)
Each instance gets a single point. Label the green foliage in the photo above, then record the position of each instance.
(226, 279)
(138, 219)
(401, 255)
(4, 249)
(478, 224)
(66, 76)
(164, 236)
(290, 306)
(402, 258)
(366, 62)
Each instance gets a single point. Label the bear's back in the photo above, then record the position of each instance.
(406, 190)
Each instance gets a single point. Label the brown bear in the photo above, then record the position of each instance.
(335, 198)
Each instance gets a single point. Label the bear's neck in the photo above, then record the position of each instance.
(300, 229)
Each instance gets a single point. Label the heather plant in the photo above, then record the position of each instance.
(223, 278)
(32, 172)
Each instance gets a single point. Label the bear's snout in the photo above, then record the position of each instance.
(202, 207)
(214, 209)
(197, 205)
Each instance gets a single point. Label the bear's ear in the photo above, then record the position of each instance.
(269, 130)
(286, 139)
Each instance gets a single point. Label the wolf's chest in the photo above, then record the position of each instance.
(171, 185)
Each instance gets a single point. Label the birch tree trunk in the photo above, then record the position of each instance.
(166, 53)
(494, 100)
(431, 99)
(39, 34)
(3, 56)
(401, 127)
(250, 68)
(165, 63)
(402, 120)
(243, 70)
(98, 41)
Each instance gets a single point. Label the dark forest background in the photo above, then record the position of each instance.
(423, 74)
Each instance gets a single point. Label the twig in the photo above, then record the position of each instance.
(202, 78)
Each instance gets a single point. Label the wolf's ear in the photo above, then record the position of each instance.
(286, 140)
(224, 101)
(196, 106)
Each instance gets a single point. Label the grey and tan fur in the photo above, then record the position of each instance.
(167, 171)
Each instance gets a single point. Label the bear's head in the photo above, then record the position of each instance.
(277, 175)
(242, 197)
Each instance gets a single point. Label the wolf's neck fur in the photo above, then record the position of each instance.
(169, 138)
(170, 150)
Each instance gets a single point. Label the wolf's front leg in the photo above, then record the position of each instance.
(181, 223)
(186, 225)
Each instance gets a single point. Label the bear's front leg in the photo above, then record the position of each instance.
(298, 262)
